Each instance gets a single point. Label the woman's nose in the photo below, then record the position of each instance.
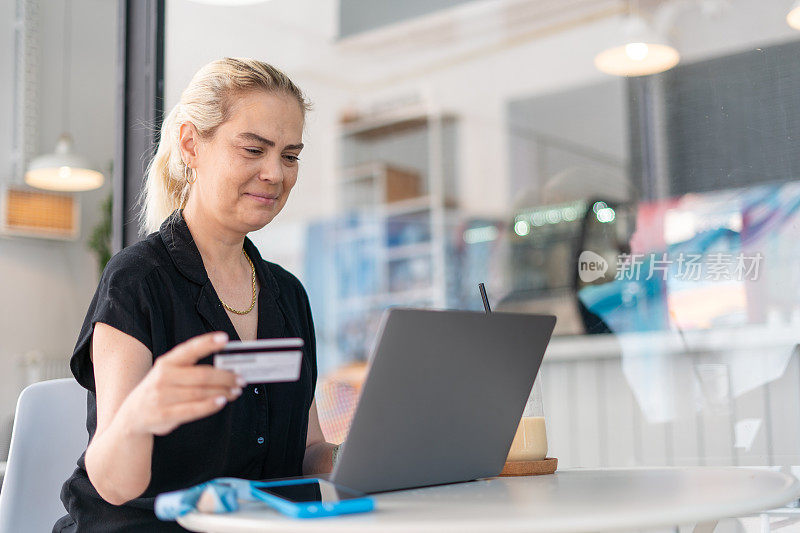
(272, 170)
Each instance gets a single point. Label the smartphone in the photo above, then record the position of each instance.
(311, 498)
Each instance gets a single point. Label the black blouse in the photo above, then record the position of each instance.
(158, 291)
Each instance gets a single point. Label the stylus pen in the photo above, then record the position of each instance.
(482, 288)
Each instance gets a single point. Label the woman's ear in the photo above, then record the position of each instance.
(188, 141)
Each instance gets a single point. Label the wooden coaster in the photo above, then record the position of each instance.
(547, 465)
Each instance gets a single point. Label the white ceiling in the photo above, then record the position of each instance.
(301, 35)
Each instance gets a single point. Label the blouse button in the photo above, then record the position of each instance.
(261, 440)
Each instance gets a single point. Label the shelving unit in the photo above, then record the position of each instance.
(377, 183)
(397, 194)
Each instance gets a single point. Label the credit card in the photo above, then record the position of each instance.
(262, 361)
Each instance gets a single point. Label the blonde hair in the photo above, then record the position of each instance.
(206, 102)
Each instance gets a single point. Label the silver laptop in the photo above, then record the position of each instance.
(443, 397)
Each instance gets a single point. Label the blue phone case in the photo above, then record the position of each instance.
(309, 509)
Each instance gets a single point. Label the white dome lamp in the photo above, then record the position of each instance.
(793, 18)
(640, 51)
(63, 170)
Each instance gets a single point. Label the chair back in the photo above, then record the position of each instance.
(48, 437)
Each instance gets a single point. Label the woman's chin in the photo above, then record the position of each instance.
(256, 221)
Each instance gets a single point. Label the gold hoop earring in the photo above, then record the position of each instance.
(186, 174)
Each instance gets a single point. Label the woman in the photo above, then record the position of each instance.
(158, 420)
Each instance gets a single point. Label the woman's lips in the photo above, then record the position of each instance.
(263, 200)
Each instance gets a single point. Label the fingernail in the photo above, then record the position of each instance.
(236, 391)
(220, 400)
(241, 381)
(221, 337)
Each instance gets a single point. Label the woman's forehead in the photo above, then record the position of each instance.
(265, 103)
(266, 113)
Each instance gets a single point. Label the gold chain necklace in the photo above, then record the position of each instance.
(253, 302)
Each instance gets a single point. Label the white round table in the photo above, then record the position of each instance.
(572, 500)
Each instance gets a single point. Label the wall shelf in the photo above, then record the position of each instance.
(397, 192)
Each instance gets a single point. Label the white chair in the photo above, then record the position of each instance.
(48, 437)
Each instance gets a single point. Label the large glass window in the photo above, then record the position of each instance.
(656, 215)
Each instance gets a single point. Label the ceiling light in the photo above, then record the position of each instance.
(63, 170)
(636, 51)
(522, 228)
(793, 18)
(480, 234)
(639, 51)
(605, 215)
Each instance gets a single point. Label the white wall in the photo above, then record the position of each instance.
(46, 285)
(7, 14)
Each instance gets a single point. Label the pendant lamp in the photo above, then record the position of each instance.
(793, 18)
(639, 51)
(63, 170)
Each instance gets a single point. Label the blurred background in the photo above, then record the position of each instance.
(631, 167)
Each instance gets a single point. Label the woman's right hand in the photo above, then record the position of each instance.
(176, 390)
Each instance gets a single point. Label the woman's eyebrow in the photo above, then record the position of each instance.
(250, 136)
